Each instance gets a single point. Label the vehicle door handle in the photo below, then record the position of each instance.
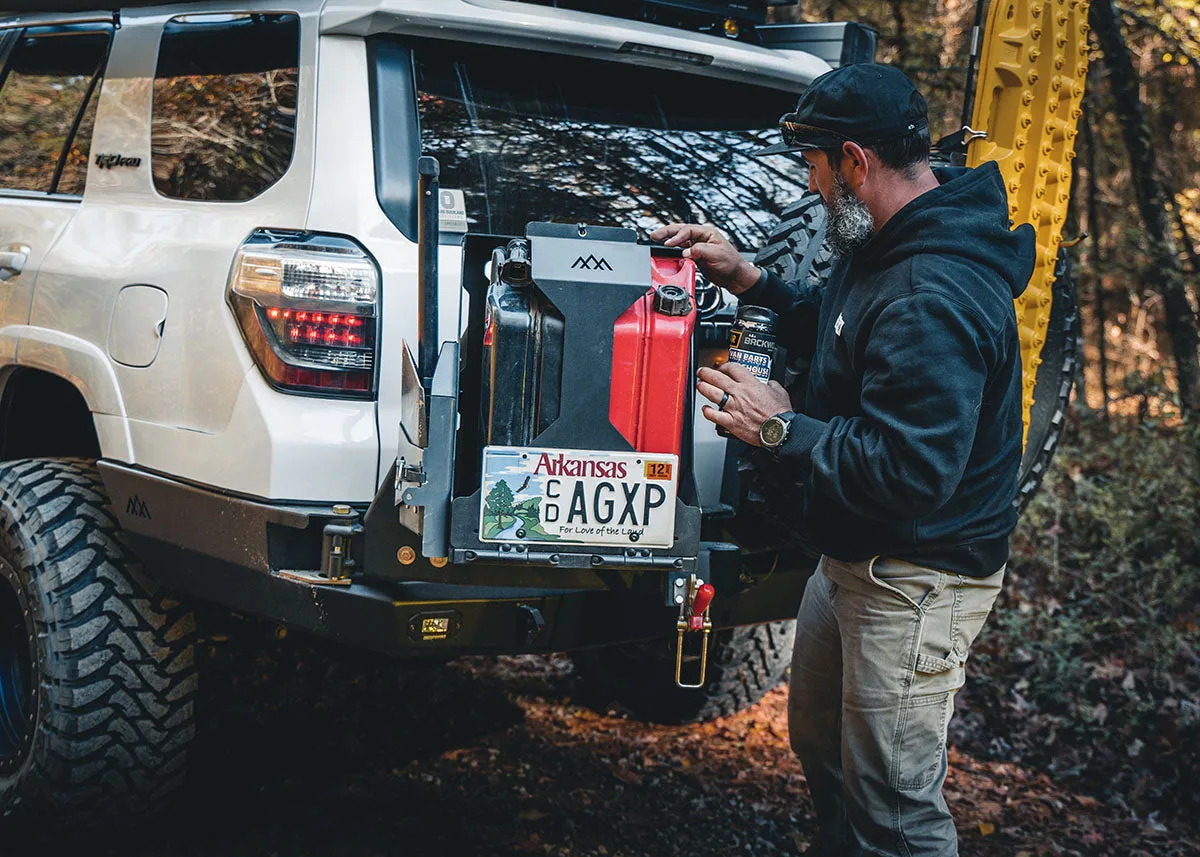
(12, 260)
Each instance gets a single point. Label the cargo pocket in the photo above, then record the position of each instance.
(933, 665)
(923, 736)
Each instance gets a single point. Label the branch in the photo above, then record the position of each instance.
(1176, 44)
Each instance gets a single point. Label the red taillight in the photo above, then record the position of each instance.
(306, 305)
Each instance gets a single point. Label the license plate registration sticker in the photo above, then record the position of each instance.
(578, 497)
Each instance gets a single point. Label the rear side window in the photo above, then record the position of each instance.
(224, 117)
(48, 92)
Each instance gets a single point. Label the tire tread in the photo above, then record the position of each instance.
(744, 664)
(119, 681)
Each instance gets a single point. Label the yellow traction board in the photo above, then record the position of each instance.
(1032, 69)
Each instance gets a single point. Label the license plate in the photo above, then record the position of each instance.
(578, 497)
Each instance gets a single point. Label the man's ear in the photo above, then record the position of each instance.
(854, 159)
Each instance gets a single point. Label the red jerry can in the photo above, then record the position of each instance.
(652, 349)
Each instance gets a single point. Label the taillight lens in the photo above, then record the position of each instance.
(307, 306)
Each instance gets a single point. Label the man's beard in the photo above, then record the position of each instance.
(850, 223)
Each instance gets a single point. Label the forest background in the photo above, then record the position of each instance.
(1089, 667)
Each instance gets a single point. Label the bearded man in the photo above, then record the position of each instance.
(907, 447)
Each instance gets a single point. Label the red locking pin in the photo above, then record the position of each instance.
(704, 597)
(693, 616)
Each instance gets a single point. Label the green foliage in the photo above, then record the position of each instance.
(1089, 666)
(500, 500)
(530, 510)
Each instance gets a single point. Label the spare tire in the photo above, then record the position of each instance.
(743, 664)
(796, 250)
(1055, 377)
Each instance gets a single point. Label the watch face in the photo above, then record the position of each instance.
(771, 433)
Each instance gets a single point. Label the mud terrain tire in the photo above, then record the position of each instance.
(743, 664)
(97, 675)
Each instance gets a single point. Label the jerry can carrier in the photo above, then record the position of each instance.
(439, 473)
(463, 508)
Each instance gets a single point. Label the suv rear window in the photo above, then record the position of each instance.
(224, 118)
(47, 107)
(539, 136)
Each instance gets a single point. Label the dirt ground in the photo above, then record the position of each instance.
(307, 750)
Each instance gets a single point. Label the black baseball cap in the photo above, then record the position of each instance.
(865, 103)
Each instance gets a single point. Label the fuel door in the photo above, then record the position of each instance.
(136, 329)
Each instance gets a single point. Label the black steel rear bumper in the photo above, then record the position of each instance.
(237, 553)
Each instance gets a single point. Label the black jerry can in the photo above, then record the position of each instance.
(522, 353)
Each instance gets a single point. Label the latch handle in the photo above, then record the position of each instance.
(693, 616)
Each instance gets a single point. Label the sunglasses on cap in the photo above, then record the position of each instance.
(798, 135)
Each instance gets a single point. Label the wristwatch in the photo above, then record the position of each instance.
(774, 430)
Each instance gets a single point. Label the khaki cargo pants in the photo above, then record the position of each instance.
(881, 648)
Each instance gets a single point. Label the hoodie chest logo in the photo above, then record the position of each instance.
(838, 325)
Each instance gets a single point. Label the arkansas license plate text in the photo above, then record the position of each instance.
(580, 497)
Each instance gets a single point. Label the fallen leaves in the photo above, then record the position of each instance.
(492, 757)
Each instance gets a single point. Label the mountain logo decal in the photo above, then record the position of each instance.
(591, 263)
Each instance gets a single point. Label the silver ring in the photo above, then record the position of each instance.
(724, 402)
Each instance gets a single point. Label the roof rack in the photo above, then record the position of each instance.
(732, 20)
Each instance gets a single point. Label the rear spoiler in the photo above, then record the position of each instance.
(841, 43)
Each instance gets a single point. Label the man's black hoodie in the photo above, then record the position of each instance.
(910, 440)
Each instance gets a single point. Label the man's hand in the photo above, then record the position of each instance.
(719, 260)
(750, 404)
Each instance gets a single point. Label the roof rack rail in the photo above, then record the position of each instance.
(731, 20)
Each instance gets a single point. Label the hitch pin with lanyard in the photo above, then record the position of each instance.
(693, 616)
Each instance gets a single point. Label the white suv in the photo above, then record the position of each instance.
(208, 271)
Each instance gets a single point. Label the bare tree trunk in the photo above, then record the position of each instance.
(1165, 275)
(1093, 216)
(902, 46)
(1175, 175)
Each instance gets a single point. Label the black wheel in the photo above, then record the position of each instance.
(97, 676)
(1055, 378)
(796, 250)
(743, 664)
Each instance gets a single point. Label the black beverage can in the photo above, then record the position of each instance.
(752, 340)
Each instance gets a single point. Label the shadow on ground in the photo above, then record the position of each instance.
(307, 749)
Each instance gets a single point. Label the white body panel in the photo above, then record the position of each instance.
(344, 201)
(200, 410)
(33, 223)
